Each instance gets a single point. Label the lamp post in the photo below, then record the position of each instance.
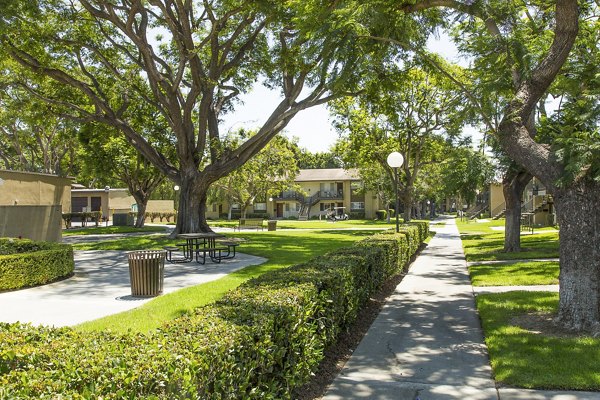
(395, 161)
(176, 189)
(107, 216)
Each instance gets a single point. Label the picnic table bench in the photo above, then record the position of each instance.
(201, 245)
(250, 223)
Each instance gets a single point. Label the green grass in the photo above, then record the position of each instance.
(315, 224)
(483, 243)
(529, 360)
(519, 273)
(477, 227)
(491, 247)
(282, 249)
(104, 230)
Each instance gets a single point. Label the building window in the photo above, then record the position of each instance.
(260, 206)
(214, 207)
(357, 205)
(235, 206)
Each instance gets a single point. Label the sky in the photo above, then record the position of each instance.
(312, 126)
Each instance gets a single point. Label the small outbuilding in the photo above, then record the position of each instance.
(31, 204)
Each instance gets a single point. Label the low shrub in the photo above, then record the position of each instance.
(84, 217)
(24, 262)
(357, 215)
(153, 215)
(261, 340)
(381, 215)
(256, 214)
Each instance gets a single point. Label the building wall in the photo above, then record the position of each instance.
(120, 201)
(371, 205)
(117, 201)
(27, 188)
(32, 222)
(160, 206)
(31, 205)
(310, 188)
(496, 196)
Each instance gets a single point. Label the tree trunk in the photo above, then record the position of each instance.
(514, 183)
(408, 206)
(579, 220)
(141, 214)
(192, 207)
(142, 202)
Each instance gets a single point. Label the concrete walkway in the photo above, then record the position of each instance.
(427, 342)
(101, 287)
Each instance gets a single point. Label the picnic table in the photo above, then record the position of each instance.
(202, 245)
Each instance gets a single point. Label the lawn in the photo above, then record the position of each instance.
(281, 248)
(522, 358)
(316, 224)
(526, 349)
(515, 273)
(483, 243)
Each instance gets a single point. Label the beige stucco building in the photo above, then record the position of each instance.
(111, 201)
(31, 204)
(537, 206)
(318, 190)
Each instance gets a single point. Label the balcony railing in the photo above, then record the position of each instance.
(290, 196)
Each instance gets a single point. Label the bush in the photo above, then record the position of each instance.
(26, 263)
(84, 217)
(153, 215)
(357, 215)
(261, 340)
(262, 215)
(381, 215)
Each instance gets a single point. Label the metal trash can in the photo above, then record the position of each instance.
(272, 225)
(146, 272)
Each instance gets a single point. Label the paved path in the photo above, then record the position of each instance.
(427, 342)
(101, 287)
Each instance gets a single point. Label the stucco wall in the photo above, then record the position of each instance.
(26, 188)
(32, 222)
(496, 196)
(160, 206)
(120, 200)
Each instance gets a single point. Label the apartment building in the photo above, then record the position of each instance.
(317, 191)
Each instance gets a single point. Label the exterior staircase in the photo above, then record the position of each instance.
(545, 201)
(475, 211)
(306, 204)
(499, 211)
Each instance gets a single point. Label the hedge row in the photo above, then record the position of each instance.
(24, 262)
(260, 341)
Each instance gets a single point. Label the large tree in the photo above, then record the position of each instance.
(414, 115)
(575, 195)
(465, 172)
(189, 61)
(34, 138)
(271, 171)
(110, 160)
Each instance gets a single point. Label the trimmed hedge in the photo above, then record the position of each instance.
(260, 341)
(24, 262)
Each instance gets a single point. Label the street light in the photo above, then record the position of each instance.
(176, 188)
(395, 161)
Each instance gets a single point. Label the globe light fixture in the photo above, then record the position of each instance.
(395, 161)
(176, 189)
